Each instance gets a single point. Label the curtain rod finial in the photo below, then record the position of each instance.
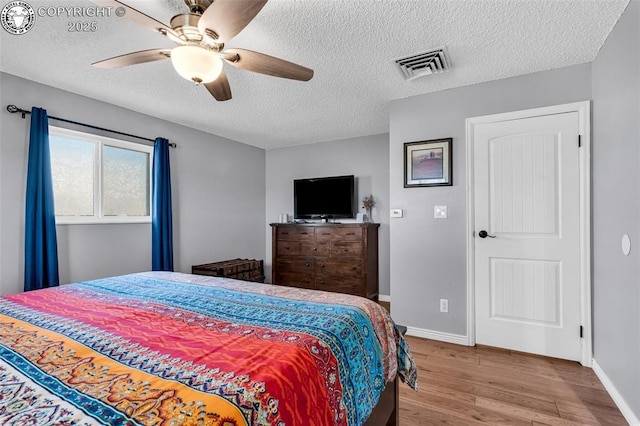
(13, 109)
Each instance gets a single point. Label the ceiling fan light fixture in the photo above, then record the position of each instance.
(195, 63)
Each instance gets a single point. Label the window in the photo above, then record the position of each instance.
(98, 179)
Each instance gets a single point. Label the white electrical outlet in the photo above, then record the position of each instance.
(444, 305)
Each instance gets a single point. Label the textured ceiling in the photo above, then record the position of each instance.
(350, 44)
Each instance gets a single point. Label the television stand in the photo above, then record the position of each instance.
(334, 257)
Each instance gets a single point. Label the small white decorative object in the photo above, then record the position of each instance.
(626, 245)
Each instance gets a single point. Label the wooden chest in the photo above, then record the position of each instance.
(239, 269)
(341, 258)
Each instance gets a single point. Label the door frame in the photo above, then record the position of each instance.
(584, 113)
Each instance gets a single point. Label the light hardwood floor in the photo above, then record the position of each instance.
(461, 385)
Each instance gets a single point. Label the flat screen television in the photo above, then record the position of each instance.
(324, 198)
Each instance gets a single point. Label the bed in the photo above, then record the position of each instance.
(164, 348)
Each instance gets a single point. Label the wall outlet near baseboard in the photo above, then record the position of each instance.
(444, 305)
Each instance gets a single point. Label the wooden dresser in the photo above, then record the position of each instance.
(332, 257)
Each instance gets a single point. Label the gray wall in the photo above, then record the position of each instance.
(365, 157)
(218, 193)
(616, 206)
(428, 256)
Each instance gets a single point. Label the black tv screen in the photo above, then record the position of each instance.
(324, 198)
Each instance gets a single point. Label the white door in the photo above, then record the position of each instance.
(527, 266)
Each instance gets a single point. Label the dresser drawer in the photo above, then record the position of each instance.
(299, 265)
(324, 233)
(295, 279)
(315, 248)
(296, 233)
(337, 267)
(336, 233)
(349, 285)
(346, 249)
(289, 248)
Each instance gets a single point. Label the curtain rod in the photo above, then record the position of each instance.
(14, 109)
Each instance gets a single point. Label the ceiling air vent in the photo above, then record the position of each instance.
(426, 63)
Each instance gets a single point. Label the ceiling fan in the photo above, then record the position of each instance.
(200, 36)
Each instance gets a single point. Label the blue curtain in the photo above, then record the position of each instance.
(161, 220)
(41, 247)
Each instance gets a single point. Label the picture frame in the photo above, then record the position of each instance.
(428, 163)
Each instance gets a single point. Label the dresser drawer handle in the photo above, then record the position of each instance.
(346, 250)
(326, 233)
(351, 233)
(322, 265)
(322, 282)
(304, 233)
(315, 249)
(306, 264)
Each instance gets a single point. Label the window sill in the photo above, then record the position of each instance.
(107, 221)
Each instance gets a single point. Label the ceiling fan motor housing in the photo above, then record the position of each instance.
(186, 26)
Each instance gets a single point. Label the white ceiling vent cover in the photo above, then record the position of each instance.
(426, 63)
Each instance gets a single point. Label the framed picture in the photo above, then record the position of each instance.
(428, 163)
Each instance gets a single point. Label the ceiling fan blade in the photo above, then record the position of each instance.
(226, 18)
(122, 10)
(134, 58)
(219, 88)
(265, 64)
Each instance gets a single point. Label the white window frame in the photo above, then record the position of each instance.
(99, 141)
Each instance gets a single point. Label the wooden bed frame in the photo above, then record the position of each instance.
(387, 411)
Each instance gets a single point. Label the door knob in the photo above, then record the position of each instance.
(485, 234)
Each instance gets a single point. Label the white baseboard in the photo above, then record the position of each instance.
(438, 335)
(615, 395)
(384, 298)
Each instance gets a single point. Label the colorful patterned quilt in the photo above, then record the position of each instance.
(163, 348)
